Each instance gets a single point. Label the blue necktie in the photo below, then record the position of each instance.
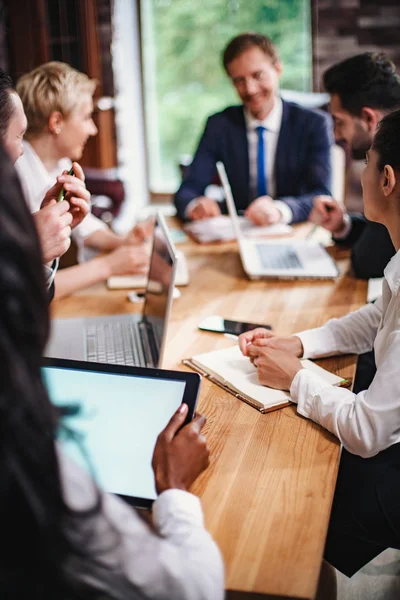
(262, 180)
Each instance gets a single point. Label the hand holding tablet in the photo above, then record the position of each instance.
(112, 419)
(180, 455)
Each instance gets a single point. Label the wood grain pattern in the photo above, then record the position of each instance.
(268, 491)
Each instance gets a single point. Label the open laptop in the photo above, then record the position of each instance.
(263, 258)
(136, 339)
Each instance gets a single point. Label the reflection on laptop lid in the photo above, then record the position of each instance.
(160, 285)
(229, 201)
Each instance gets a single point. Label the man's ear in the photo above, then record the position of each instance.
(56, 122)
(389, 180)
(371, 118)
(278, 67)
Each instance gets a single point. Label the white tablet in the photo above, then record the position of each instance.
(111, 416)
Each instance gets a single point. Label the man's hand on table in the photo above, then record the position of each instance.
(203, 208)
(263, 211)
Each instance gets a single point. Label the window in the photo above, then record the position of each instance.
(184, 81)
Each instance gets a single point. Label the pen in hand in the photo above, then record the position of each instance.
(328, 209)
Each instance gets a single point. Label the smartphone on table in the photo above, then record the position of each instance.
(220, 325)
(61, 195)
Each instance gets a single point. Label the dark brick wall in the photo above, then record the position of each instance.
(3, 37)
(342, 28)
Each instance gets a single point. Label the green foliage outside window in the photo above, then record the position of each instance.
(184, 81)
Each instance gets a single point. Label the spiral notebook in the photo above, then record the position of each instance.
(233, 372)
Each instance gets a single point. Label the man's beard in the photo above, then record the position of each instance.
(361, 143)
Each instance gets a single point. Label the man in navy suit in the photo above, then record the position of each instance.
(276, 153)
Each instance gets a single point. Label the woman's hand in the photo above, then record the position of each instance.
(141, 232)
(126, 260)
(264, 338)
(276, 368)
(53, 224)
(75, 193)
(180, 456)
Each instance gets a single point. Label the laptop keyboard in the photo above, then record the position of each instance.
(278, 257)
(119, 344)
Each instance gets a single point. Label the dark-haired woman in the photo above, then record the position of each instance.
(365, 517)
(61, 537)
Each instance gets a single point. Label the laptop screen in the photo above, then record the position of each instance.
(159, 283)
(114, 421)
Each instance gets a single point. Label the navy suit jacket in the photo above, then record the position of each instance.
(302, 164)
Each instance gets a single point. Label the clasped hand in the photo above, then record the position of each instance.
(276, 357)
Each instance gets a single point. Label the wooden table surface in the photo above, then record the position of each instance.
(268, 491)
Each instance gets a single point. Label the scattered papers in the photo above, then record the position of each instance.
(219, 229)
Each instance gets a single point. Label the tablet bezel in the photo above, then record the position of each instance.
(190, 396)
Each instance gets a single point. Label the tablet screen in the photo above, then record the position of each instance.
(117, 419)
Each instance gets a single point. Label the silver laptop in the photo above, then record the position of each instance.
(136, 340)
(263, 258)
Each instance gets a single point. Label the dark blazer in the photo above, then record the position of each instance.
(302, 165)
(372, 247)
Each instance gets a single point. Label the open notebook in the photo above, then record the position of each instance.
(232, 371)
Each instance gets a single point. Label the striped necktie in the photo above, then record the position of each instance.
(262, 179)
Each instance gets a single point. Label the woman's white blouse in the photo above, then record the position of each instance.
(369, 421)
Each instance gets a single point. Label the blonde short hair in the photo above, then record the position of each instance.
(54, 86)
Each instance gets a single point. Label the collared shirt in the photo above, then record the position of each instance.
(272, 124)
(36, 181)
(368, 422)
(177, 560)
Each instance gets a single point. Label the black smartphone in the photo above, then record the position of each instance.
(61, 195)
(221, 325)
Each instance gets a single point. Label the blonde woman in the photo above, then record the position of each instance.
(58, 104)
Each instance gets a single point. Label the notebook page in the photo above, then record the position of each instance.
(237, 370)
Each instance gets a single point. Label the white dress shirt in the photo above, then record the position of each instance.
(272, 124)
(178, 560)
(369, 421)
(36, 181)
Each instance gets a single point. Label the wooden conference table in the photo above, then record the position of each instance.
(268, 491)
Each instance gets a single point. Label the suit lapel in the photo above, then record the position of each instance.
(239, 160)
(282, 149)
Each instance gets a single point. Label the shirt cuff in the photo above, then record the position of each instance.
(285, 210)
(317, 342)
(50, 272)
(345, 230)
(305, 387)
(172, 505)
(189, 207)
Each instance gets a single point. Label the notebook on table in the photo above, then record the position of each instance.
(233, 372)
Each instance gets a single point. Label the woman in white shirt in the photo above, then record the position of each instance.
(365, 517)
(62, 537)
(58, 105)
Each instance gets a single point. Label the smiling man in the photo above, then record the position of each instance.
(276, 153)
